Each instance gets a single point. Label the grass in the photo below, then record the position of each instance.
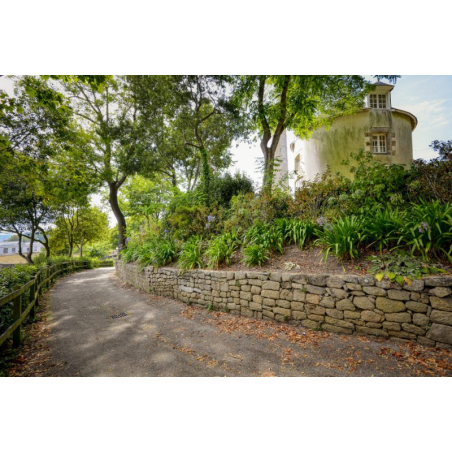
(14, 259)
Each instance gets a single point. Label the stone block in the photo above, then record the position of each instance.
(373, 290)
(255, 306)
(270, 285)
(269, 301)
(421, 320)
(317, 318)
(352, 286)
(315, 289)
(327, 302)
(338, 322)
(383, 284)
(441, 317)
(363, 303)
(398, 295)
(372, 331)
(257, 299)
(345, 305)
(274, 277)
(440, 333)
(393, 326)
(268, 314)
(390, 306)
(416, 306)
(366, 280)
(270, 294)
(255, 282)
(315, 309)
(352, 314)
(282, 311)
(413, 329)
(373, 324)
(371, 316)
(283, 303)
(401, 317)
(317, 280)
(403, 335)
(443, 304)
(335, 281)
(298, 315)
(298, 295)
(438, 281)
(286, 294)
(339, 293)
(310, 324)
(336, 314)
(255, 290)
(417, 285)
(312, 298)
(336, 329)
(425, 342)
(246, 312)
(297, 306)
(246, 296)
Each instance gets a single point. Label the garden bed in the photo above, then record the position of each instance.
(310, 261)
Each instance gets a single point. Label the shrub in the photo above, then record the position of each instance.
(299, 232)
(382, 227)
(164, 252)
(224, 187)
(256, 254)
(268, 235)
(191, 254)
(342, 238)
(428, 230)
(221, 249)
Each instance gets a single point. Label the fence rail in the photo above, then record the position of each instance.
(34, 289)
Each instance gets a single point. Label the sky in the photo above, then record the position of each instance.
(428, 97)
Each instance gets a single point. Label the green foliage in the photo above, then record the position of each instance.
(164, 252)
(382, 227)
(427, 230)
(296, 231)
(401, 268)
(221, 249)
(155, 251)
(224, 188)
(256, 254)
(190, 256)
(269, 236)
(342, 238)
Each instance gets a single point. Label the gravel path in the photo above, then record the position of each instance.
(164, 337)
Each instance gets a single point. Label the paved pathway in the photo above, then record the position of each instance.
(164, 337)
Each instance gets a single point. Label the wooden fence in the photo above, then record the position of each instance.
(33, 291)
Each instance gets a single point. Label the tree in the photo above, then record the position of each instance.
(301, 103)
(197, 124)
(121, 141)
(78, 227)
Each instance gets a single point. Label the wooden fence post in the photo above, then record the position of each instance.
(31, 299)
(17, 312)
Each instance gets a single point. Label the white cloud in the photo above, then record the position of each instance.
(431, 114)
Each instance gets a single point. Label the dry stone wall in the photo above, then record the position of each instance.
(348, 304)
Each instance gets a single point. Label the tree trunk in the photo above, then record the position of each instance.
(113, 200)
(45, 242)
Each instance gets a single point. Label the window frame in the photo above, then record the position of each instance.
(382, 143)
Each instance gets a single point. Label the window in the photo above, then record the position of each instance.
(13, 250)
(379, 144)
(378, 101)
(5, 250)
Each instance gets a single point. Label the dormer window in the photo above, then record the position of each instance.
(378, 101)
